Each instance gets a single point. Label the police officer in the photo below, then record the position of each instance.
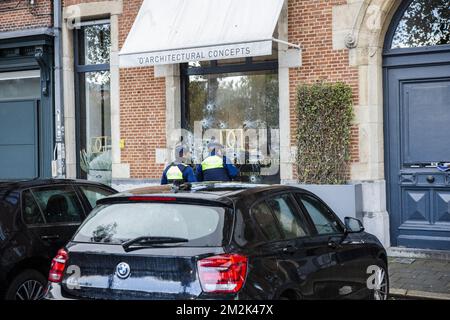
(178, 172)
(216, 167)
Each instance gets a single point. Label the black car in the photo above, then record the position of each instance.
(218, 241)
(37, 218)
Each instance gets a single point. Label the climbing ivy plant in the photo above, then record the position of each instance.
(324, 114)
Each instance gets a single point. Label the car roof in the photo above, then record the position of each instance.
(23, 184)
(212, 191)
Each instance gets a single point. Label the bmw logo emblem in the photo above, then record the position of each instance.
(123, 270)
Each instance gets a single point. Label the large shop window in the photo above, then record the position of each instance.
(238, 100)
(92, 60)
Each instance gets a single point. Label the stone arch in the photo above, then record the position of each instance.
(373, 21)
(361, 27)
(364, 38)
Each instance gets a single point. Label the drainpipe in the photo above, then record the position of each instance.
(59, 160)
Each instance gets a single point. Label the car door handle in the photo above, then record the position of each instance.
(50, 237)
(332, 244)
(289, 249)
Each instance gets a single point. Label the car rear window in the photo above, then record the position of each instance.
(203, 226)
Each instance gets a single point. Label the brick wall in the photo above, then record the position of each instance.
(310, 24)
(18, 15)
(142, 120)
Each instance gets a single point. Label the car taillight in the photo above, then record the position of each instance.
(222, 274)
(58, 266)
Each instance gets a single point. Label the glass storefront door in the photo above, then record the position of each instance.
(94, 103)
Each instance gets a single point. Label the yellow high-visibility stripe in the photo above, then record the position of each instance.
(174, 173)
(212, 162)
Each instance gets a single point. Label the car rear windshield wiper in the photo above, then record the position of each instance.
(152, 241)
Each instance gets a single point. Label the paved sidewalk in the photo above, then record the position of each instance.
(420, 278)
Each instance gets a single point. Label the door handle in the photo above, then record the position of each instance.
(50, 237)
(332, 244)
(289, 249)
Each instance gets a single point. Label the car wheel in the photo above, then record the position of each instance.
(381, 290)
(28, 285)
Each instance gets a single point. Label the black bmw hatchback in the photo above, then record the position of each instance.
(218, 241)
(37, 218)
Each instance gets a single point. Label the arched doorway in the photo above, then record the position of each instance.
(416, 64)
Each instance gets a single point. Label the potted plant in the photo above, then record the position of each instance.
(324, 118)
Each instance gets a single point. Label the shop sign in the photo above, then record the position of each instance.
(238, 50)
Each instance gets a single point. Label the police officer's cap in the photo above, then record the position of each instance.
(181, 151)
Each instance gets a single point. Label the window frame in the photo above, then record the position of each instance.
(185, 72)
(87, 205)
(83, 214)
(387, 47)
(299, 215)
(227, 221)
(79, 71)
(311, 221)
(22, 210)
(261, 233)
(214, 68)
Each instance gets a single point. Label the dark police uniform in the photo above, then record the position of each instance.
(178, 173)
(216, 168)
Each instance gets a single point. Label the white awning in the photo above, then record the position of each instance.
(178, 31)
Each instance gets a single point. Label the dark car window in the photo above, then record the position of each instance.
(94, 193)
(321, 216)
(202, 226)
(284, 210)
(264, 218)
(59, 204)
(30, 210)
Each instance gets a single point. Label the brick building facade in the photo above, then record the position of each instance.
(142, 96)
(340, 40)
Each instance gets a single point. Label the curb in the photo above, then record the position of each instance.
(419, 294)
(418, 253)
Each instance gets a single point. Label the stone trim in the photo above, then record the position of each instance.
(26, 33)
(361, 26)
(286, 166)
(92, 10)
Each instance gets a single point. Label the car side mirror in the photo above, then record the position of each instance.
(353, 225)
